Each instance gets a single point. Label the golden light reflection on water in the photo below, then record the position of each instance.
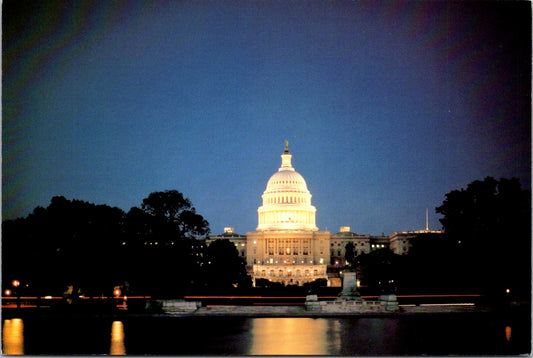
(117, 339)
(13, 336)
(291, 336)
(508, 333)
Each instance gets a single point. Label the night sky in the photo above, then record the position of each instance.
(387, 106)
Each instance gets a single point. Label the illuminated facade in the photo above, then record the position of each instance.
(287, 246)
(286, 201)
(399, 242)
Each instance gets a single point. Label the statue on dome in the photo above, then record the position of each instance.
(286, 146)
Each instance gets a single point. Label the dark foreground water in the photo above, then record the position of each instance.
(437, 335)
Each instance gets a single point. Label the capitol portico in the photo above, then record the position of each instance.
(288, 247)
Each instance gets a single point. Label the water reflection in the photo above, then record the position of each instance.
(372, 336)
(361, 336)
(508, 333)
(13, 336)
(293, 336)
(117, 339)
(334, 336)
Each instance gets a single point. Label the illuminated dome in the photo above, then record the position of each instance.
(286, 200)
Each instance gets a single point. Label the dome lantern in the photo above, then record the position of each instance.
(286, 159)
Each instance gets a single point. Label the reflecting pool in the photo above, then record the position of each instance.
(161, 335)
(117, 339)
(290, 336)
(13, 336)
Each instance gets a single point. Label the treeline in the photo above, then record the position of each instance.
(485, 248)
(85, 249)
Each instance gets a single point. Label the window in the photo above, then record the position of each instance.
(338, 253)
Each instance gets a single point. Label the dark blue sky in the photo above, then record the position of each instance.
(387, 107)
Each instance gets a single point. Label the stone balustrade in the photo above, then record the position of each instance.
(346, 306)
(179, 306)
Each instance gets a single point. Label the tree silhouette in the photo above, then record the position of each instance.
(165, 256)
(177, 215)
(490, 222)
(92, 248)
(225, 268)
(68, 243)
(379, 270)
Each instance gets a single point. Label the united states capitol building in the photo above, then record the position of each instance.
(289, 248)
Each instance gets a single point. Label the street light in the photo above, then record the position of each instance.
(15, 284)
(117, 292)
